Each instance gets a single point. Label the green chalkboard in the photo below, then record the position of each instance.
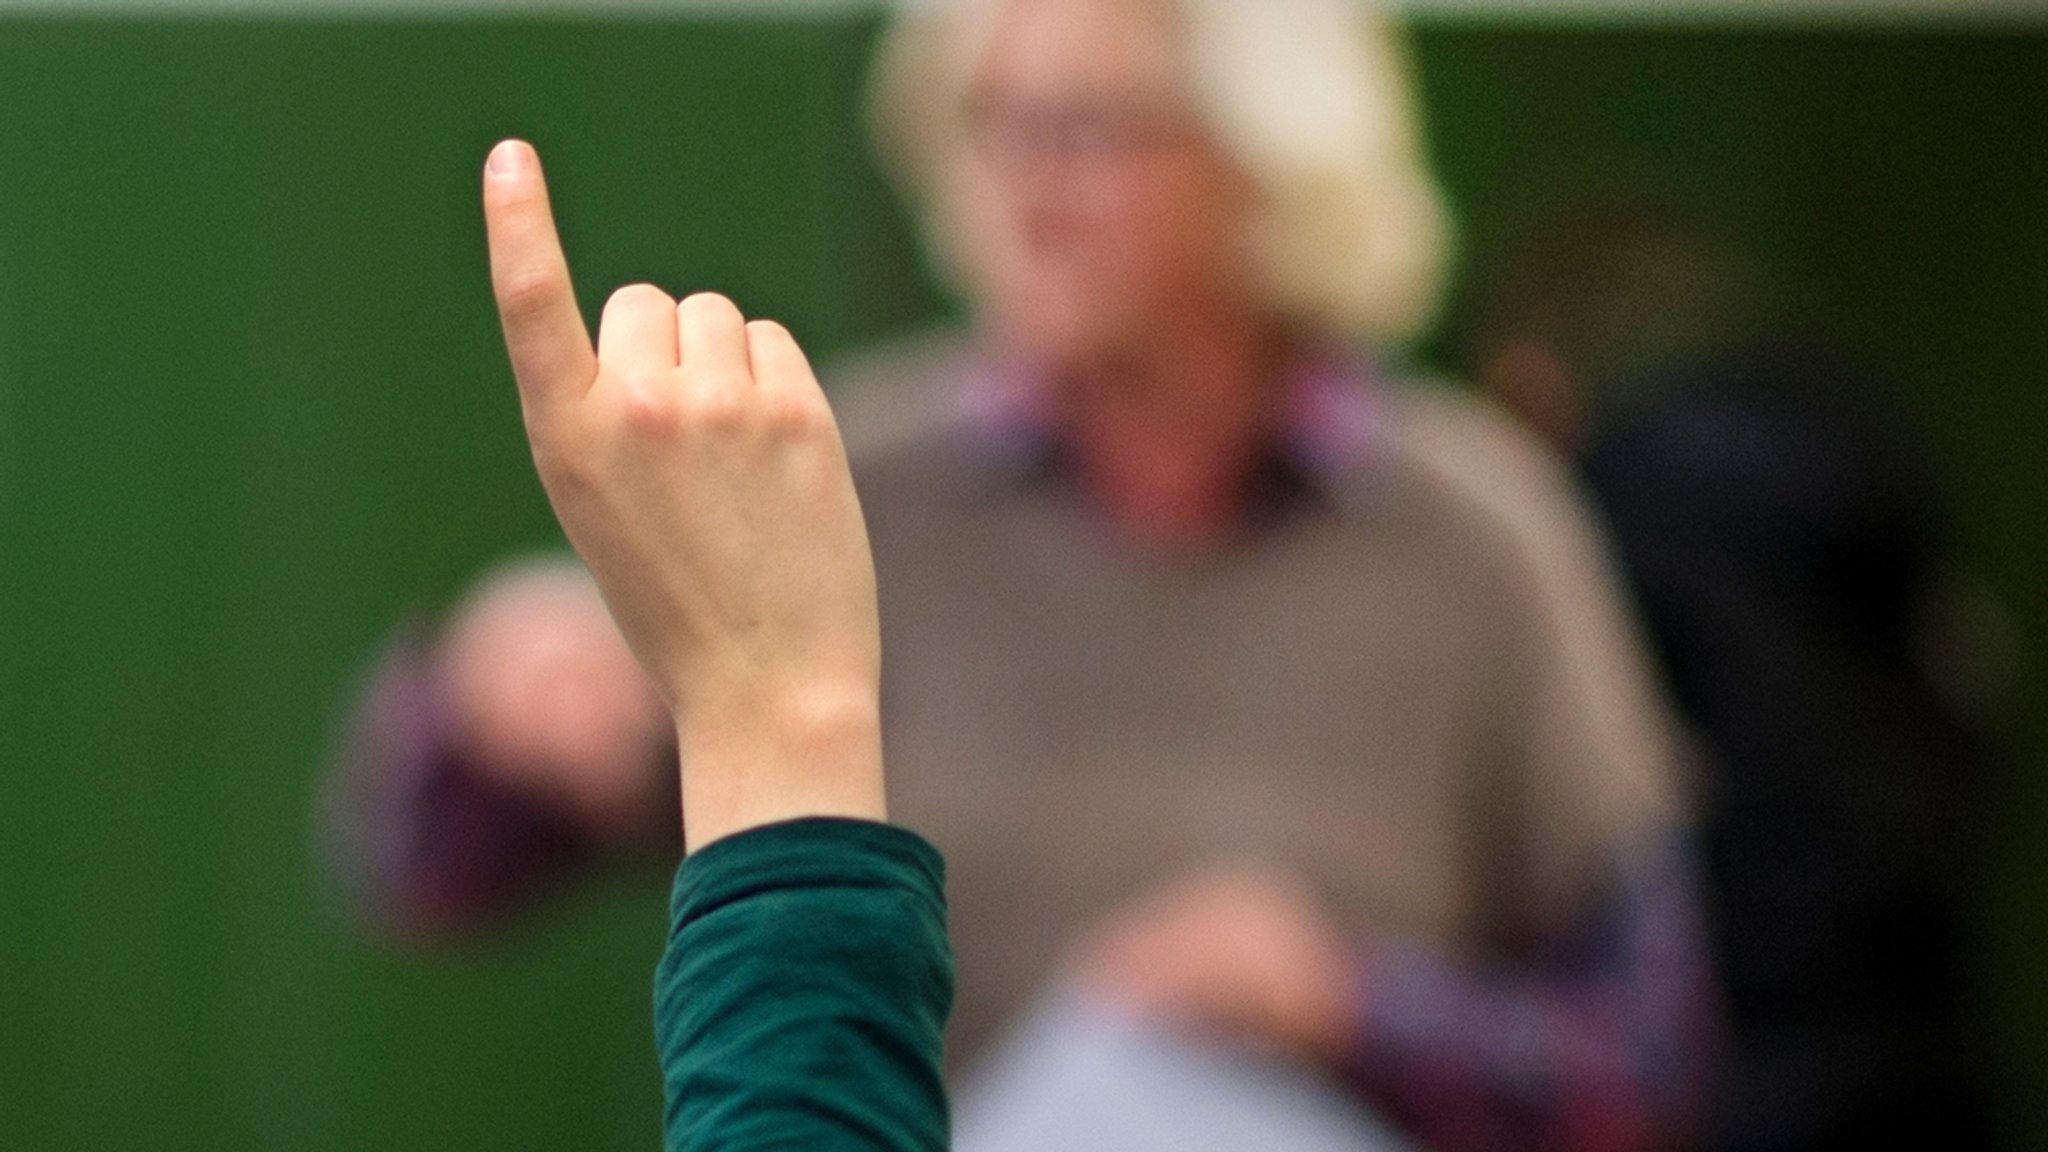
(253, 410)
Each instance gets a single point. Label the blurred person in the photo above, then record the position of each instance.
(1247, 686)
(496, 755)
(1802, 594)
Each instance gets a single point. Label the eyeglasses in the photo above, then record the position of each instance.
(1083, 129)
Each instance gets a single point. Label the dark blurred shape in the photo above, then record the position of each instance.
(1789, 555)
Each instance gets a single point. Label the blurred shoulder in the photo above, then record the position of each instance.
(899, 394)
(1479, 457)
(1556, 548)
(1465, 441)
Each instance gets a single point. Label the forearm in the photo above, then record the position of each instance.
(803, 992)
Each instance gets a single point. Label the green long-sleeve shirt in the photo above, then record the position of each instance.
(801, 998)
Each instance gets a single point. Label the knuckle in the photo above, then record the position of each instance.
(797, 414)
(710, 307)
(769, 330)
(648, 408)
(526, 294)
(711, 317)
(640, 295)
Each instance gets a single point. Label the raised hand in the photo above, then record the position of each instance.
(695, 465)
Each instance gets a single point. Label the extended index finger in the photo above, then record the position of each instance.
(544, 332)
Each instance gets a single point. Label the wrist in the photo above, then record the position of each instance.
(796, 751)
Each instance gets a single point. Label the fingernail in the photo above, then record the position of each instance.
(509, 158)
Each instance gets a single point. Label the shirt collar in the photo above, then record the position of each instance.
(1331, 419)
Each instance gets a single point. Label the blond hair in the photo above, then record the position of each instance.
(1310, 98)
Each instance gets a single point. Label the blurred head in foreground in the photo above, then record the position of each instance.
(1100, 175)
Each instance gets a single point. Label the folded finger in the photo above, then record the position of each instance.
(713, 339)
(638, 334)
(776, 360)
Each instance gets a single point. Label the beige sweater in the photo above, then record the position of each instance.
(1416, 686)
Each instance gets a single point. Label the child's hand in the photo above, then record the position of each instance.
(694, 463)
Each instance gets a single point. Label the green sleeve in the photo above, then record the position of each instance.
(800, 1001)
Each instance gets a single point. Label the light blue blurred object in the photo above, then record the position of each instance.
(1078, 1077)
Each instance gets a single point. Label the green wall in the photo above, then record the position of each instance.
(252, 410)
